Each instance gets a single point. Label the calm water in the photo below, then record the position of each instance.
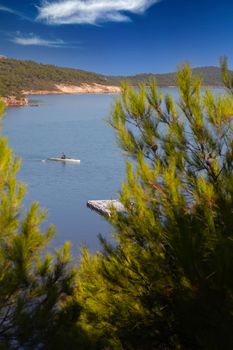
(75, 125)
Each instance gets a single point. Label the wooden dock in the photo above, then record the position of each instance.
(104, 206)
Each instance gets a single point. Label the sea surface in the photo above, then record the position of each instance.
(76, 125)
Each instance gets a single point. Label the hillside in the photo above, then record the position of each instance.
(17, 75)
(210, 76)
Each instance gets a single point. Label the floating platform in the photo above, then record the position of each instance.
(104, 206)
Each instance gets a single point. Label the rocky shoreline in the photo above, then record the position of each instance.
(12, 101)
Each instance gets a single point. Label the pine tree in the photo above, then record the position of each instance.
(166, 282)
(38, 307)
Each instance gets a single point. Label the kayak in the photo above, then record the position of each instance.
(65, 160)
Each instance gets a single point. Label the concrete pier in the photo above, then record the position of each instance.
(104, 206)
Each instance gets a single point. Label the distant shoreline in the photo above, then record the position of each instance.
(76, 89)
(61, 89)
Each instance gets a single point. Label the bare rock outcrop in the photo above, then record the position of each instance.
(12, 101)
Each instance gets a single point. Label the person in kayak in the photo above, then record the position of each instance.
(63, 156)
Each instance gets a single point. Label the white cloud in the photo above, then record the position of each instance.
(33, 40)
(90, 11)
(13, 12)
(6, 9)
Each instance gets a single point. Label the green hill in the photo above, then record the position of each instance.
(210, 76)
(18, 75)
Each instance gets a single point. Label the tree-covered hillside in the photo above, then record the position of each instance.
(17, 75)
(210, 76)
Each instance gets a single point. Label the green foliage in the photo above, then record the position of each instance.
(16, 75)
(227, 78)
(210, 76)
(38, 307)
(166, 282)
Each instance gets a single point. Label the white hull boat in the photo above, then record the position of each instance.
(65, 160)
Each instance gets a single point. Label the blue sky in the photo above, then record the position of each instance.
(118, 36)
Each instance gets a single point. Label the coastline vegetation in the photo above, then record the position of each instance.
(166, 282)
(18, 75)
